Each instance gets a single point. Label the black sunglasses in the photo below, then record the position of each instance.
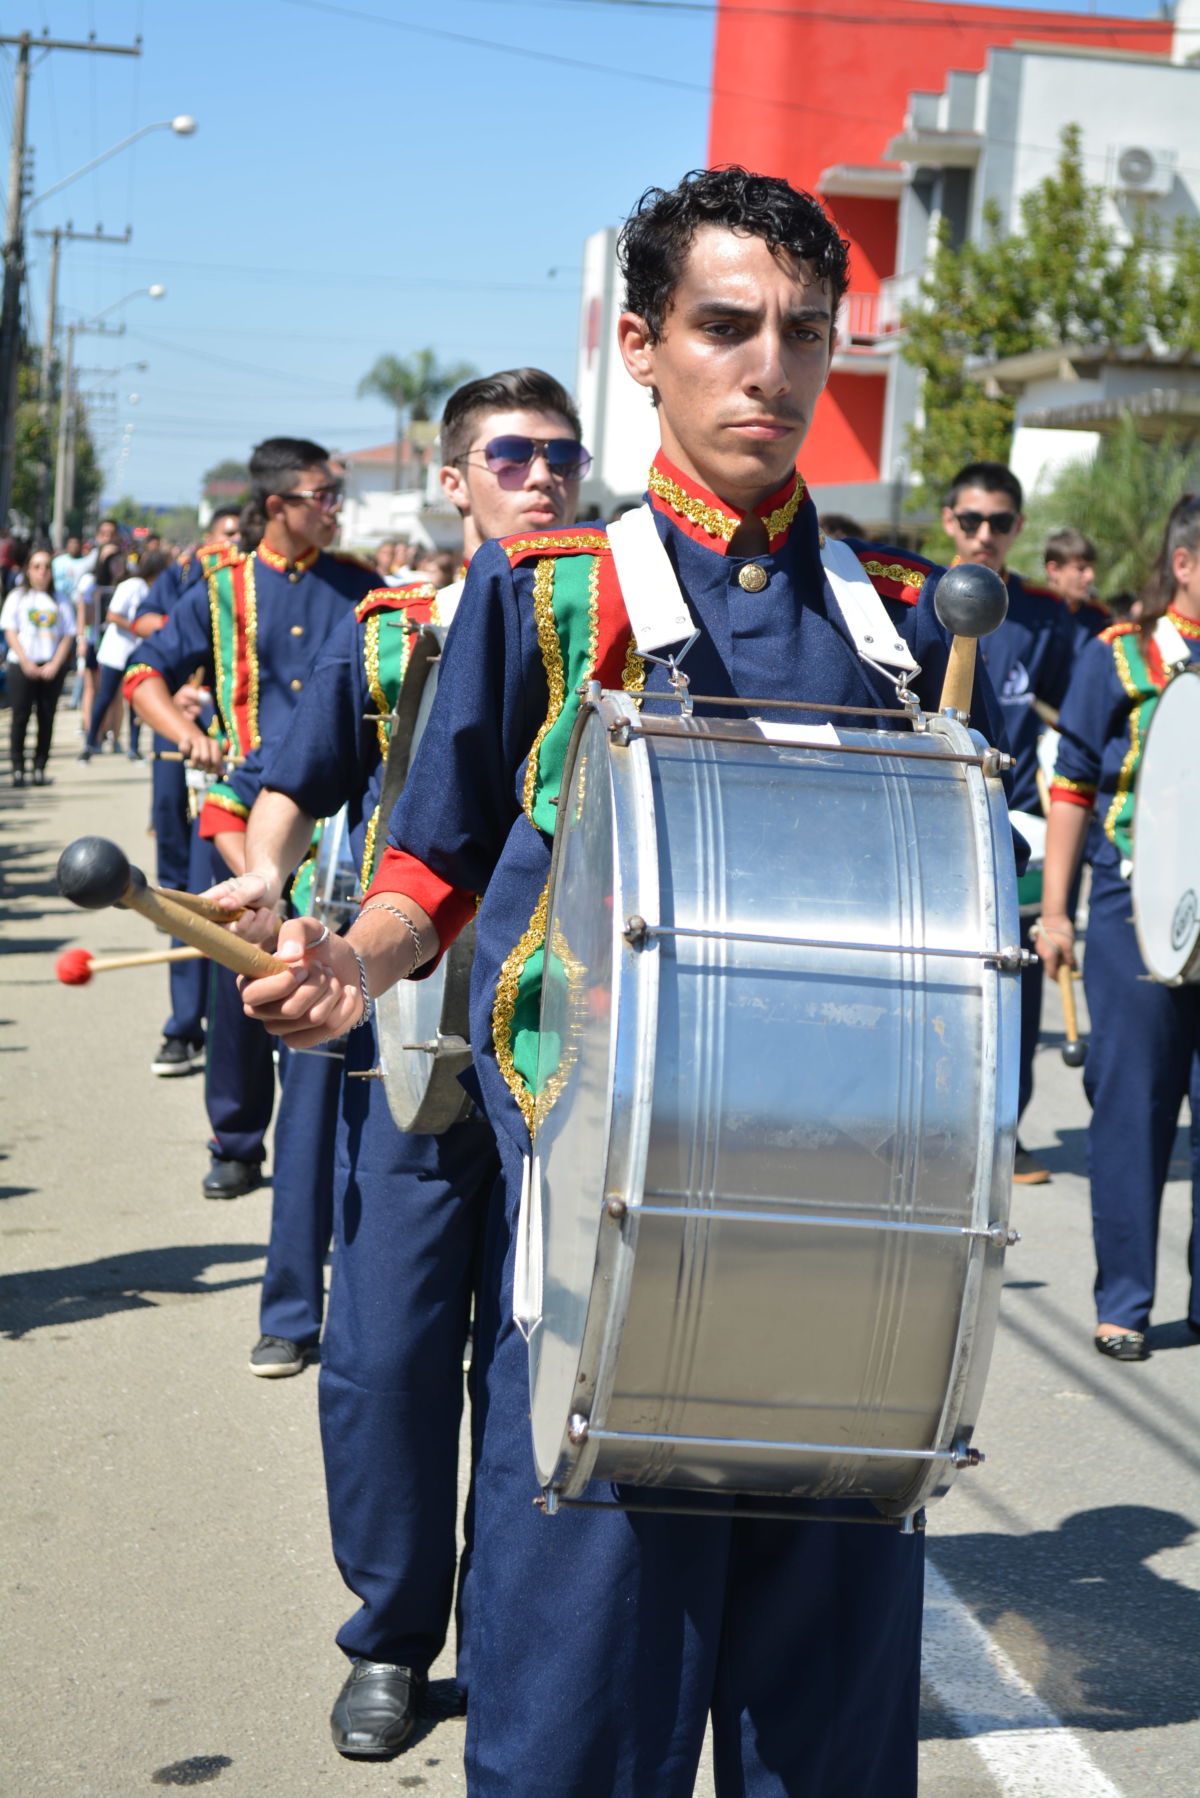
(564, 456)
(999, 523)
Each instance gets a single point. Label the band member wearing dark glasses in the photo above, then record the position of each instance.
(255, 625)
(601, 1641)
(1029, 658)
(408, 1210)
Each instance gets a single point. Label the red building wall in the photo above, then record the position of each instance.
(801, 84)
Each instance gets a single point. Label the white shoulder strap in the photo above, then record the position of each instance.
(875, 636)
(1172, 645)
(649, 586)
(659, 613)
(446, 603)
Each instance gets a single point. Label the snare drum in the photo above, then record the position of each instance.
(421, 1026)
(1166, 838)
(334, 896)
(776, 1107)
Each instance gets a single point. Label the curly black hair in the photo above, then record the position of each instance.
(656, 238)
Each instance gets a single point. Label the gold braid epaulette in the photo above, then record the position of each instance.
(579, 540)
(1121, 628)
(910, 575)
(393, 599)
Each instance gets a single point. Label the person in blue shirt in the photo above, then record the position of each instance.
(1069, 559)
(408, 1209)
(600, 1650)
(253, 626)
(1029, 660)
(1145, 1036)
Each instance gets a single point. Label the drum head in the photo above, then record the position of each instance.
(575, 1090)
(1166, 841)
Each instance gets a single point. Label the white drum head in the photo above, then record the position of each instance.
(1166, 836)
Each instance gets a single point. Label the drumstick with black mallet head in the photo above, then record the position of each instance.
(1074, 1052)
(93, 873)
(971, 601)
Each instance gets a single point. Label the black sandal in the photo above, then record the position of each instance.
(1130, 1345)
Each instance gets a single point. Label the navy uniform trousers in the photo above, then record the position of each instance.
(174, 840)
(408, 1227)
(240, 1097)
(664, 1620)
(1141, 1060)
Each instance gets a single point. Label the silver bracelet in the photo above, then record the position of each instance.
(414, 933)
(368, 1003)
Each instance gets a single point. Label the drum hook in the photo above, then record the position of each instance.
(676, 678)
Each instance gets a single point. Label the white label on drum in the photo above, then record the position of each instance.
(814, 734)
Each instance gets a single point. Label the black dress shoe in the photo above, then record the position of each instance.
(376, 1709)
(230, 1179)
(1130, 1345)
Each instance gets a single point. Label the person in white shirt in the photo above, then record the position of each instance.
(39, 629)
(116, 646)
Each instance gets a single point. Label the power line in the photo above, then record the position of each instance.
(950, 17)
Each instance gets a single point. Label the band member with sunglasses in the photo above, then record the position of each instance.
(408, 1210)
(255, 625)
(602, 1641)
(1029, 659)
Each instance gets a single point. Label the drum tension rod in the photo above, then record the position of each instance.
(1009, 960)
(550, 1504)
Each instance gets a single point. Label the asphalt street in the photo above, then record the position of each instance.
(170, 1599)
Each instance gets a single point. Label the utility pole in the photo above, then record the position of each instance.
(14, 242)
(64, 477)
(58, 237)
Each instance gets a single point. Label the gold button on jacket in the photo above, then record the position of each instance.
(752, 578)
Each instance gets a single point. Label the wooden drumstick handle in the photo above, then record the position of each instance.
(211, 939)
(93, 872)
(960, 676)
(148, 960)
(203, 908)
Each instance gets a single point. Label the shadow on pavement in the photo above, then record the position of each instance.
(1109, 1643)
(55, 1296)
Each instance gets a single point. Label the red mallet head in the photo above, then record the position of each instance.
(74, 967)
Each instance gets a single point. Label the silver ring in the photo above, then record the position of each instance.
(323, 938)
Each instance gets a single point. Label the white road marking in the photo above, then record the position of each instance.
(1029, 1752)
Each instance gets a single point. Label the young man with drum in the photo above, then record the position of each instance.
(600, 1641)
(1145, 1035)
(408, 1209)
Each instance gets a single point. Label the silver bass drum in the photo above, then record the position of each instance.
(1166, 840)
(421, 1026)
(777, 1107)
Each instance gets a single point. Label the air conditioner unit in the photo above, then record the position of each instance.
(1135, 169)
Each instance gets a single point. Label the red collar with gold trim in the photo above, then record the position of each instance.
(1187, 627)
(281, 565)
(706, 519)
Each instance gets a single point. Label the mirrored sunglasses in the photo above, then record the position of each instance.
(328, 499)
(564, 456)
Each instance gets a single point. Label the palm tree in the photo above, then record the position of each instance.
(1120, 498)
(415, 385)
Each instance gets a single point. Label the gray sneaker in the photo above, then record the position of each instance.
(274, 1357)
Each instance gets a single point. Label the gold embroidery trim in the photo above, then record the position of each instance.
(1187, 627)
(782, 518)
(543, 613)
(587, 540)
(575, 974)
(1129, 765)
(214, 631)
(251, 652)
(896, 571)
(505, 1004)
(709, 518)
(374, 684)
(364, 873)
(1083, 787)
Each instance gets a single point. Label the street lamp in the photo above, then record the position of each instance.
(183, 125)
(64, 478)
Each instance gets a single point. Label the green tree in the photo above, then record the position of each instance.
(1120, 498)
(414, 386)
(1059, 278)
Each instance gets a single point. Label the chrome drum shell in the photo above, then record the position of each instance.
(772, 1178)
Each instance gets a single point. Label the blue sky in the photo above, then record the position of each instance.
(364, 179)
